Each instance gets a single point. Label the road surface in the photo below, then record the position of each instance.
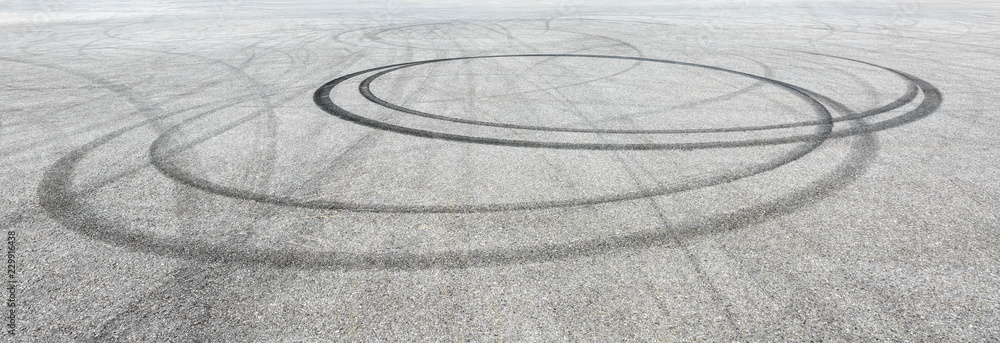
(524, 171)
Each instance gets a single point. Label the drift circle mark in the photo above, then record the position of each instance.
(322, 98)
(365, 89)
(930, 102)
(57, 197)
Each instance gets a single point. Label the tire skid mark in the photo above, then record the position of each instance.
(56, 179)
(365, 90)
(930, 103)
(323, 100)
(409, 261)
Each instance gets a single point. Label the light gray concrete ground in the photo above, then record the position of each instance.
(564, 171)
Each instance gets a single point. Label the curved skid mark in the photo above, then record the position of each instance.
(365, 90)
(56, 195)
(56, 182)
(930, 103)
(323, 100)
(190, 179)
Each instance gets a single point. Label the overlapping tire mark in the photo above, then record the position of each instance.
(799, 281)
(105, 229)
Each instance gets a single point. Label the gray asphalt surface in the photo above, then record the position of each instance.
(528, 171)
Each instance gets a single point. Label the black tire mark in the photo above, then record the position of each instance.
(365, 90)
(930, 103)
(95, 225)
(323, 100)
(55, 196)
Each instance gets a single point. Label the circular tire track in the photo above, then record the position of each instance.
(365, 90)
(57, 197)
(323, 100)
(160, 153)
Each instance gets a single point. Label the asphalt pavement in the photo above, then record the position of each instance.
(254, 171)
